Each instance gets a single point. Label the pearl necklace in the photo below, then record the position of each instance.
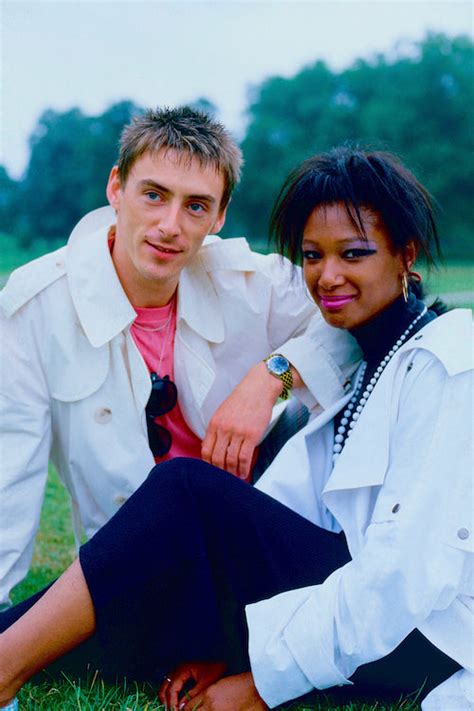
(352, 412)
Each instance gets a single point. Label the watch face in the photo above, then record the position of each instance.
(278, 364)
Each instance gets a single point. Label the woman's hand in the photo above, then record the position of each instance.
(202, 673)
(234, 693)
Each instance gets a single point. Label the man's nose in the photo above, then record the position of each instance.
(168, 222)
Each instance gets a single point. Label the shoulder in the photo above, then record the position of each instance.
(448, 340)
(26, 282)
(235, 254)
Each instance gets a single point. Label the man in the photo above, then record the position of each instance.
(96, 333)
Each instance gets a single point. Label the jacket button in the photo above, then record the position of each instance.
(463, 533)
(103, 415)
(120, 499)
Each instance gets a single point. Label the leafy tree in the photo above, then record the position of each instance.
(417, 106)
(71, 156)
(9, 202)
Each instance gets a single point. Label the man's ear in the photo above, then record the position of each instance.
(410, 253)
(114, 188)
(219, 223)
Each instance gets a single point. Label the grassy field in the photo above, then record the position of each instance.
(54, 550)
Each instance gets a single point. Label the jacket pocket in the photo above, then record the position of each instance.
(77, 371)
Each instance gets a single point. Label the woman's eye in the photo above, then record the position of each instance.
(357, 253)
(310, 254)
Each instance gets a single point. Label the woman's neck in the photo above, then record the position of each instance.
(377, 336)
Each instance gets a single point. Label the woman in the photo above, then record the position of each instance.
(363, 573)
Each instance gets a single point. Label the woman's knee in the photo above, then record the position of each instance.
(182, 476)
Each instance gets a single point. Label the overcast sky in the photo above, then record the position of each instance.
(85, 53)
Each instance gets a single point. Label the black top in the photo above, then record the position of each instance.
(377, 336)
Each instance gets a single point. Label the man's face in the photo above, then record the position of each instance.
(167, 206)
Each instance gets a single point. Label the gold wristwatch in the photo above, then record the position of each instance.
(280, 367)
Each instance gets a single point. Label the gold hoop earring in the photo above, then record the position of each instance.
(405, 286)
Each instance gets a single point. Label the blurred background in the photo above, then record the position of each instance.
(288, 78)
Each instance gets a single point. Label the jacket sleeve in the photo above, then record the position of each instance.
(325, 357)
(414, 562)
(24, 446)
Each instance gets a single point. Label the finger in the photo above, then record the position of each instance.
(162, 690)
(192, 703)
(172, 689)
(246, 458)
(232, 455)
(220, 450)
(173, 694)
(207, 446)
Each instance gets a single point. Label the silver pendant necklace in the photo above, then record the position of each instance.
(158, 328)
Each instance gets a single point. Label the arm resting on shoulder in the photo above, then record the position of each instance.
(322, 359)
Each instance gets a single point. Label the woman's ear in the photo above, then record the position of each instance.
(410, 253)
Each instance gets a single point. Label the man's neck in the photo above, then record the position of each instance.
(149, 293)
(142, 293)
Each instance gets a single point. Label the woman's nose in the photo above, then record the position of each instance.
(331, 275)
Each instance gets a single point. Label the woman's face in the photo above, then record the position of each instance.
(352, 279)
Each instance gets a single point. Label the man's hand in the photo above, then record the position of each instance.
(234, 693)
(202, 673)
(239, 423)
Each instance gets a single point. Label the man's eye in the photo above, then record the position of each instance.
(153, 196)
(311, 255)
(357, 253)
(196, 207)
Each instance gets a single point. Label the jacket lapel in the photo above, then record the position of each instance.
(363, 460)
(99, 299)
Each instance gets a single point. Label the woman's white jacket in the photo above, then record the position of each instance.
(402, 492)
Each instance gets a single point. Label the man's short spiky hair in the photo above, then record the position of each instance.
(186, 131)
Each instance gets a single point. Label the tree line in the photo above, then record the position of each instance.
(418, 106)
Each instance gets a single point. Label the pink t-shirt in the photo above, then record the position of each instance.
(184, 442)
(152, 345)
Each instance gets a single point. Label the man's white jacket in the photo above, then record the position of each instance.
(402, 491)
(74, 386)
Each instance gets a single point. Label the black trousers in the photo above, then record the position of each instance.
(172, 571)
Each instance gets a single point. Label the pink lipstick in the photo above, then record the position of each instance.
(332, 303)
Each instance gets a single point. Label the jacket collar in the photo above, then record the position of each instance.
(198, 303)
(364, 459)
(455, 352)
(100, 301)
(103, 306)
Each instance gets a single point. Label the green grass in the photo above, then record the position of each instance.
(54, 551)
(453, 281)
(13, 255)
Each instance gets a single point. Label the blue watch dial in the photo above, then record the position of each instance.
(278, 364)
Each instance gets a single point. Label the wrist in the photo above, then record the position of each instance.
(280, 369)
